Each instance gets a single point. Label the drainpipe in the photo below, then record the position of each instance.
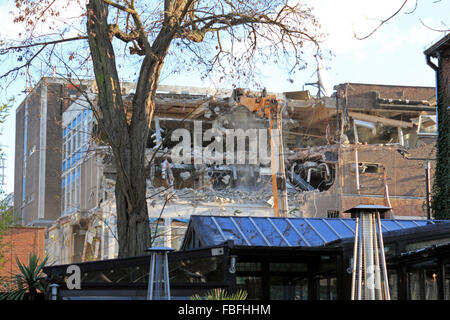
(428, 186)
(436, 69)
(427, 162)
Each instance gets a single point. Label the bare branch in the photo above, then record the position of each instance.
(382, 22)
(433, 29)
(44, 43)
(414, 9)
(120, 7)
(25, 65)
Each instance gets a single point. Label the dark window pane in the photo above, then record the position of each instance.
(196, 270)
(253, 286)
(287, 288)
(414, 281)
(288, 267)
(393, 288)
(248, 266)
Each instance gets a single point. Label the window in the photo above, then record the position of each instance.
(288, 267)
(365, 167)
(288, 288)
(72, 191)
(74, 142)
(248, 266)
(200, 270)
(363, 129)
(327, 289)
(332, 214)
(177, 231)
(79, 140)
(253, 286)
(393, 288)
(423, 281)
(64, 153)
(447, 281)
(431, 285)
(427, 125)
(78, 189)
(69, 147)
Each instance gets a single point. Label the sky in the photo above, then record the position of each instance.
(393, 55)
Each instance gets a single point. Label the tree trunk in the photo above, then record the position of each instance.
(127, 141)
(133, 228)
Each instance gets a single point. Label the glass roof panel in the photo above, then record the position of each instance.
(408, 223)
(340, 228)
(230, 231)
(269, 231)
(390, 225)
(324, 230)
(251, 232)
(307, 231)
(209, 231)
(288, 232)
(423, 222)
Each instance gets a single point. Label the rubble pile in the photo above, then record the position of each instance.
(225, 196)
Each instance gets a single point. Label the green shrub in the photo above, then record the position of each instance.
(29, 283)
(221, 294)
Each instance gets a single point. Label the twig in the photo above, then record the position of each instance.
(382, 22)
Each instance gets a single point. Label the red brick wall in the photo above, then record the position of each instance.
(363, 96)
(401, 207)
(20, 242)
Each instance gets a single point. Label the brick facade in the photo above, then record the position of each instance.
(19, 242)
(364, 96)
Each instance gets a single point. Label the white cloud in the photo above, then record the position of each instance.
(342, 19)
(69, 17)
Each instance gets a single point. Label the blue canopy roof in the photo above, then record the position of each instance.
(271, 231)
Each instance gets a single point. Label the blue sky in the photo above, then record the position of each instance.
(392, 55)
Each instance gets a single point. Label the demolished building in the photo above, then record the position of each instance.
(389, 131)
(365, 144)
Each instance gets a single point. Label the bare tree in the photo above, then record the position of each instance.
(231, 36)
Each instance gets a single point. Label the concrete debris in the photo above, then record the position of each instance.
(226, 179)
(204, 195)
(270, 201)
(185, 175)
